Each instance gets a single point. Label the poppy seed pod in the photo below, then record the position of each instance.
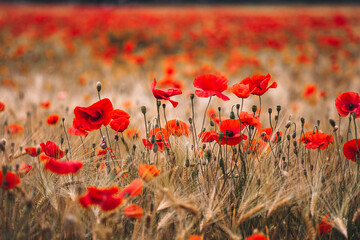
(158, 102)
(232, 115)
(155, 147)
(293, 135)
(152, 139)
(237, 106)
(98, 86)
(254, 108)
(143, 109)
(288, 124)
(302, 121)
(164, 105)
(187, 163)
(192, 96)
(38, 149)
(2, 145)
(221, 135)
(212, 123)
(270, 110)
(190, 120)
(332, 122)
(278, 108)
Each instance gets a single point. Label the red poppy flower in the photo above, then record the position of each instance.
(132, 133)
(168, 81)
(177, 128)
(134, 211)
(318, 140)
(241, 90)
(195, 237)
(10, 180)
(120, 120)
(103, 197)
(52, 119)
(24, 168)
(165, 94)
(231, 130)
(93, 117)
(208, 136)
(148, 172)
(325, 225)
(133, 189)
(348, 102)
(351, 149)
(63, 167)
(14, 129)
(2, 107)
(267, 133)
(211, 85)
(45, 104)
(256, 237)
(259, 84)
(76, 129)
(52, 150)
(161, 136)
(32, 151)
(249, 119)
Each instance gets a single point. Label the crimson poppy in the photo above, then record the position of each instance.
(348, 102)
(211, 85)
(325, 225)
(268, 133)
(249, 119)
(120, 120)
(161, 136)
(93, 117)
(103, 197)
(351, 149)
(259, 84)
(241, 90)
(33, 151)
(134, 211)
(208, 136)
(14, 129)
(231, 132)
(62, 167)
(52, 119)
(76, 129)
(256, 237)
(2, 107)
(318, 140)
(148, 172)
(132, 190)
(165, 94)
(177, 128)
(52, 150)
(10, 180)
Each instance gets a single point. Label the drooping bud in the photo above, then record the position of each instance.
(98, 86)
(237, 106)
(332, 122)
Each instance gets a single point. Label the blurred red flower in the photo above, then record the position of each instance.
(103, 197)
(267, 133)
(24, 168)
(14, 129)
(249, 119)
(325, 225)
(2, 107)
(231, 130)
(256, 237)
(208, 136)
(165, 94)
(52, 150)
(211, 85)
(241, 90)
(120, 120)
(32, 151)
(52, 119)
(134, 211)
(132, 190)
(148, 172)
(259, 84)
(351, 149)
(62, 167)
(93, 117)
(10, 180)
(177, 128)
(318, 140)
(77, 129)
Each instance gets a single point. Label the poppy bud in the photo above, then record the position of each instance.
(248, 151)
(158, 102)
(2, 145)
(116, 138)
(190, 120)
(221, 163)
(63, 119)
(152, 139)
(187, 163)
(254, 108)
(98, 86)
(278, 108)
(164, 105)
(38, 149)
(212, 123)
(293, 135)
(288, 124)
(66, 151)
(288, 137)
(336, 128)
(221, 135)
(192, 96)
(305, 172)
(332, 122)
(97, 165)
(61, 140)
(270, 110)
(237, 106)
(296, 151)
(302, 121)
(208, 154)
(143, 109)
(318, 122)
(103, 145)
(276, 117)
(203, 146)
(232, 115)
(353, 114)
(295, 143)
(155, 147)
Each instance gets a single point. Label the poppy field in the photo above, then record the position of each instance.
(184, 123)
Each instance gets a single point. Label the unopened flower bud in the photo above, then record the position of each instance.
(332, 122)
(288, 124)
(270, 110)
(98, 86)
(192, 96)
(143, 109)
(254, 108)
(278, 108)
(232, 115)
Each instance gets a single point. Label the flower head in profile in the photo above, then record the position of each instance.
(9, 181)
(120, 120)
(165, 94)
(211, 85)
(241, 90)
(348, 102)
(351, 150)
(63, 167)
(33, 151)
(52, 119)
(134, 211)
(259, 84)
(148, 172)
(52, 150)
(177, 128)
(105, 198)
(93, 117)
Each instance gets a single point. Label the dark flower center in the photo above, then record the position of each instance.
(229, 133)
(351, 106)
